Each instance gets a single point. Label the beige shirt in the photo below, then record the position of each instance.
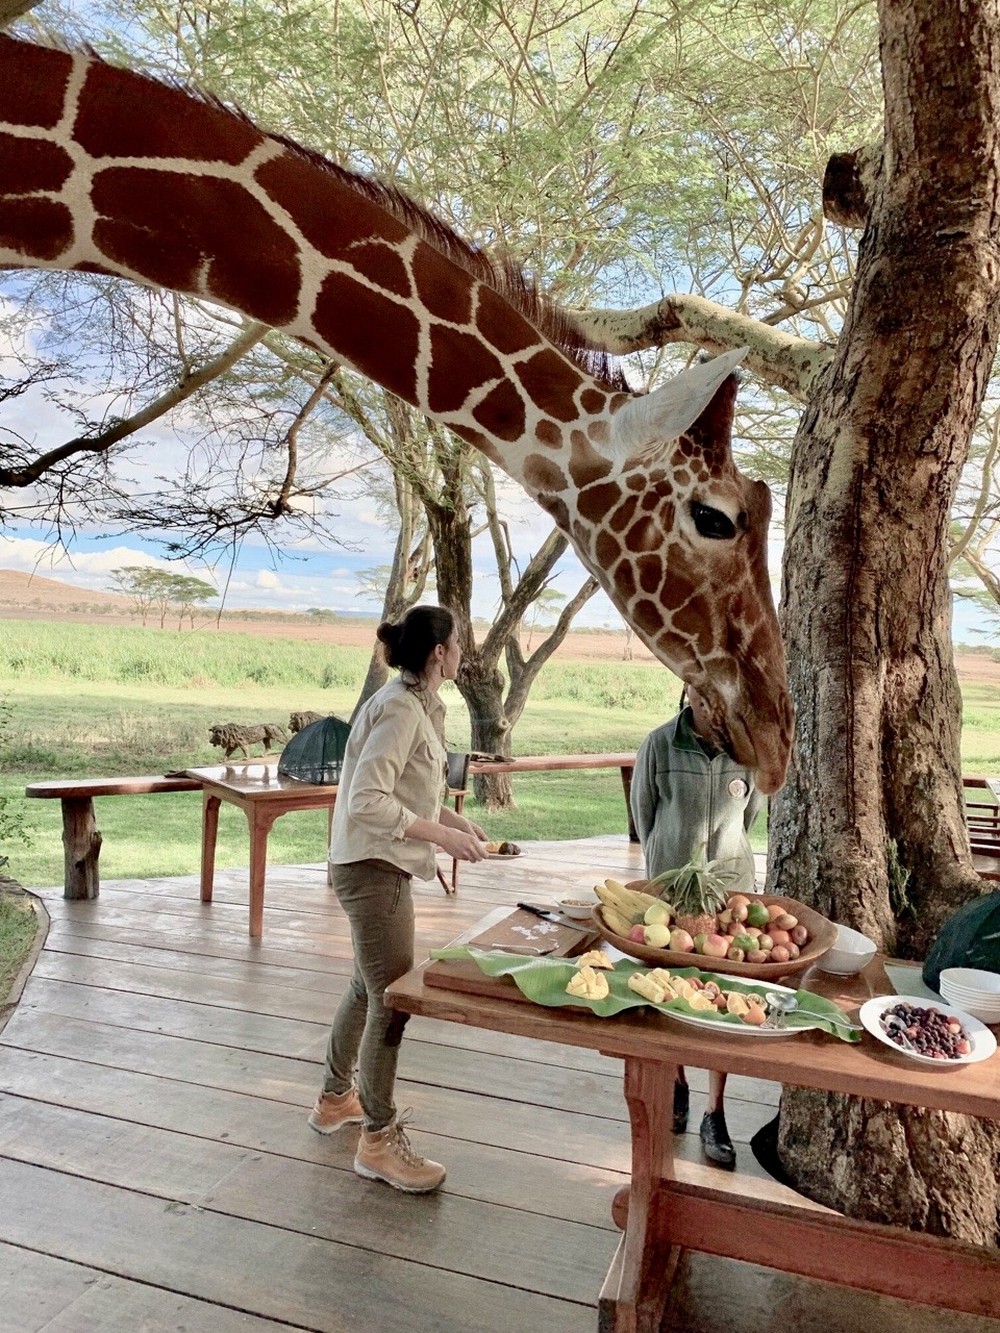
(393, 773)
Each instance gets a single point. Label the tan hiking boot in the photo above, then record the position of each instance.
(332, 1110)
(388, 1155)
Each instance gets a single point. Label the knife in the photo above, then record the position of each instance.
(548, 915)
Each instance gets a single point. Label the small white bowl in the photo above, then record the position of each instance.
(973, 980)
(578, 905)
(851, 952)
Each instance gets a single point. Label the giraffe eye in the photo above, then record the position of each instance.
(712, 522)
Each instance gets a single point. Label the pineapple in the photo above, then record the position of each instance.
(698, 892)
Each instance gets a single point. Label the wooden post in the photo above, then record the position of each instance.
(82, 843)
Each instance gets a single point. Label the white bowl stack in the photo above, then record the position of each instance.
(972, 990)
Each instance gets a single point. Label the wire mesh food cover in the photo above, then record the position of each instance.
(316, 753)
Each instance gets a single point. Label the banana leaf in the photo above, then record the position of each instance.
(544, 981)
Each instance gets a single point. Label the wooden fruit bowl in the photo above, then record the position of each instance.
(822, 935)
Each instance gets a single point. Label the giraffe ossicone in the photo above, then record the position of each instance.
(107, 170)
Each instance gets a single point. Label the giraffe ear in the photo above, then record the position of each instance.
(646, 423)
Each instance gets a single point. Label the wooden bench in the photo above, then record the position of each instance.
(557, 763)
(982, 816)
(81, 836)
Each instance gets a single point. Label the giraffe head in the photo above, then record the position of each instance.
(677, 536)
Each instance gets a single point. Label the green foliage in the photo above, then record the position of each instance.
(18, 924)
(13, 826)
(48, 650)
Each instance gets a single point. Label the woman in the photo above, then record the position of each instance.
(387, 822)
(686, 794)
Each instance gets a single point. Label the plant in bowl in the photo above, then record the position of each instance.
(698, 892)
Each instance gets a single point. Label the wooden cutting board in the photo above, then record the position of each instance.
(506, 927)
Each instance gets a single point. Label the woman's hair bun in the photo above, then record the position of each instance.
(387, 632)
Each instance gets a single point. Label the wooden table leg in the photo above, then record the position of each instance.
(82, 847)
(626, 773)
(260, 822)
(635, 1292)
(209, 834)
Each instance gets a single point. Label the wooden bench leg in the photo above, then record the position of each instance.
(627, 787)
(209, 834)
(82, 846)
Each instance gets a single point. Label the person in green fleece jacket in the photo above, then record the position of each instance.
(687, 794)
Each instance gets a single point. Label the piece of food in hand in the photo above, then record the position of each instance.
(595, 958)
(503, 848)
(586, 984)
(643, 984)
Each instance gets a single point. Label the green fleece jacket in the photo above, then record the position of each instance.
(682, 798)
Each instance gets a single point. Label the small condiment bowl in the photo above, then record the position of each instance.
(850, 953)
(578, 905)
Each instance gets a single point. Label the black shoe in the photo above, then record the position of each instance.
(715, 1141)
(681, 1099)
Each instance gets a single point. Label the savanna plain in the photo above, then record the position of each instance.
(88, 697)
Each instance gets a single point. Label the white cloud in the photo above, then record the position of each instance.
(266, 578)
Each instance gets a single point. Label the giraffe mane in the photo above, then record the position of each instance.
(496, 270)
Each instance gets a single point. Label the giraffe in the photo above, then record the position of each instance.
(106, 170)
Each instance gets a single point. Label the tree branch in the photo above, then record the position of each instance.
(781, 359)
(98, 444)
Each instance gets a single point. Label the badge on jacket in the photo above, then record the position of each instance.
(738, 787)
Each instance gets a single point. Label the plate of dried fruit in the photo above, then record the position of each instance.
(931, 1032)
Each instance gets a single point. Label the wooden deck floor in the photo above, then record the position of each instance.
(157, 1172)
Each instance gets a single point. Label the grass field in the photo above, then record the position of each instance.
(89, 700)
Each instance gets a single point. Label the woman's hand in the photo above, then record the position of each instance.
(462, 844)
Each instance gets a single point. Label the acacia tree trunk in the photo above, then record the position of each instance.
(874, 793)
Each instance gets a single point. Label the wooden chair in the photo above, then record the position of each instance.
(458, 779)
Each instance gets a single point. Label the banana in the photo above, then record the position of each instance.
(616, 921)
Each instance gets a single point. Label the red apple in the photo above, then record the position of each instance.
(638, 934)
(714, 946)
(681, 941)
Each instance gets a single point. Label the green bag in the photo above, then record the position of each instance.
(969, 938)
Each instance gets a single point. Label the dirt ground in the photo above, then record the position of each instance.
(37, 598)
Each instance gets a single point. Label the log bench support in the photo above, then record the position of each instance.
(82, 844)
(81, 836)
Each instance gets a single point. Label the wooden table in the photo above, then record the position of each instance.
(660, 1215)
(263, 794)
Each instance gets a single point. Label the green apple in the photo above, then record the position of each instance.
(657, 935)
(657, 914)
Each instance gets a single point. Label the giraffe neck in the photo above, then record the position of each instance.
(192, 197)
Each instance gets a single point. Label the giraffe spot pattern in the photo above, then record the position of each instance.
(647, 615)
(595, 502)
(607, 549)
(34, 84)
(586, 465)
(593, 401)
(37, 228)
(644, 535)
(542, 474)
(556, 509)
(334, 219)
(382, 266)
(445, 289)
(550, 381)
(624, 579)
(27, 165)
(548, 433)
(459, 364)
(502, 412)
(376, 334)
(622, 516)
(172, 124)
(650, 571)
(503, 328)
(252, 265)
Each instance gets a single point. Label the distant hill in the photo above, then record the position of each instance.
(33, 592)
